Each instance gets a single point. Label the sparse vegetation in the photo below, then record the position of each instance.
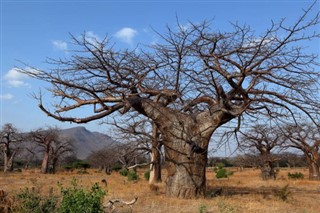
(295, 176)
(132, 175)
(229, 200)
(30, 200)
(77, 199)
(283, 193)
(147, 175)
(221, 171)
(203, 208)
(124, 172)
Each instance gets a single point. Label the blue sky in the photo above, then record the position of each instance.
(31, 31)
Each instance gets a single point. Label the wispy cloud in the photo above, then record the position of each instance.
(15, 78)
(92, 37)
(126, 34)
(60, 45)
(7, 96)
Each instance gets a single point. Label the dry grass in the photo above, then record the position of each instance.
(242, 192)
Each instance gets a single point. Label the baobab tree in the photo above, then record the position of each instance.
(189, 84)
(61, 147)
(306, 138)
(9, 137)
(52, 145)
(263, 139)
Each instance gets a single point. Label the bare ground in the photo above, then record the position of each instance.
(242, 192)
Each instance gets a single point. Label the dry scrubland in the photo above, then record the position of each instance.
(242, 192)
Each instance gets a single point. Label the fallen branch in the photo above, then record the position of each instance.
(111, 203)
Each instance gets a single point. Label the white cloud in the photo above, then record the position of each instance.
(60, 45)
(92, 37)
(15, 78)
(126, 34)
(7, 96)
(14, 74)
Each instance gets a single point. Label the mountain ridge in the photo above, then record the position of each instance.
(85, 141)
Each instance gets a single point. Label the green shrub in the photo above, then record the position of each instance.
(117, 167)
(147, 175)
(124, 172)
(80, 164)
(132, 175)
(31, 201)
(221, 172)
(296, 175)
(76, 199)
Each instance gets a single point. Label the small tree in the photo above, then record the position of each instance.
(9, 139)
(53, 146)
(264, 139)
(146, 138)
(306, 138)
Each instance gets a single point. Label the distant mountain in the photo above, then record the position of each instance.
(85, 141)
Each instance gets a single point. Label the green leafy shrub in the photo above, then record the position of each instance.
(147, 175)
(80, 164)
(124, 172)
(31, 201)
(222, 172)
(132, 175)
(117, 167)
(76, 199)
(295, 176)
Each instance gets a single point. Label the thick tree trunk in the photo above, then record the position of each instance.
(268, 171)
(155, 167)
(186, 171)
(8, 160)
(185, 139)
(5, 162)
(314, 173)
(45, 163)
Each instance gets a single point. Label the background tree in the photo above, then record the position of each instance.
(146, 137)
(306, 138)
(189, 84)
(8, 144)
(53, 146)
(58, 149)
(105, 158)
(264, 139)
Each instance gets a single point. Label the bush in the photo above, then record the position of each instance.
(117, 167)
(221, 172)
(132, 175)
(124, 172)
(31, 201)
(295, 176)
(147, 175)
(283, 193)
(80, 164)
(77, 199)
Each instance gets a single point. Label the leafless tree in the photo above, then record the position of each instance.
(53, 146)
(306, 138)
(104, 158)
(263, 139)
(146, 137)
(61, 147)
(189, 84)
(9, 138)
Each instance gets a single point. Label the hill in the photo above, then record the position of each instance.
(85, 141)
